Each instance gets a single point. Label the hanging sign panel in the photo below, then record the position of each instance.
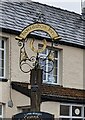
(33, 116)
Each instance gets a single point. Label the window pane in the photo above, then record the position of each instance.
(1, 43)
(55, 71)
(1, 118)
(50, 65)
(64, 110)
(1, 54)
(76, 111)
(55, 79)
(1, 63)
(55, 63)
(56, 54)
(1, 72)
(0, 109)
(50, 78)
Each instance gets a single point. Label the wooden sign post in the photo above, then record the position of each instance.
(35, 80)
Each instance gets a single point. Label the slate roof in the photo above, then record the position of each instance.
(17, 15)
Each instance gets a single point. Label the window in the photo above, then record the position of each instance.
(2, 57)
(72, 112)
(64, 110)
(52, 76)
(1, 111)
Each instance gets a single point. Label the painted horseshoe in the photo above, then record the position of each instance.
(38, 50)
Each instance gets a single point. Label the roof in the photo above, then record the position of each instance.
(53, 92)
(17, 15)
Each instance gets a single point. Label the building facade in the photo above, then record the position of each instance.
(62, 90)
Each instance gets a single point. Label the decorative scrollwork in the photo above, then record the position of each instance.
(27, 63)
(20, 43)
(34, 61)
(24, 64)
(33, 58)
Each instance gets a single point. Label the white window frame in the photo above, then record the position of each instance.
(44, 55)
(4, 49)
(70, 114)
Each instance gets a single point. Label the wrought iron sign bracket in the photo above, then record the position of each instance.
(24, 58)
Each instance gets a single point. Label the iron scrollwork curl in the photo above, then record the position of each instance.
(24, 59)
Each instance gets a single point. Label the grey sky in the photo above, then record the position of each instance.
(71, 5)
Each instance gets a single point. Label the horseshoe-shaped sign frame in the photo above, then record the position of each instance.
(38, 27)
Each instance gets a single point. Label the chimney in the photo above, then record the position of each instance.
(83, 9)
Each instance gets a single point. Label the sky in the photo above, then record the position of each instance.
(71, 5)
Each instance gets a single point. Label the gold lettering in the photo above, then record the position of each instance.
(39, 26)
(51, 31)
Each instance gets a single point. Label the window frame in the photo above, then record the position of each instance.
(1, 116)
(57, 59)
(70, 114)
(3, 49)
